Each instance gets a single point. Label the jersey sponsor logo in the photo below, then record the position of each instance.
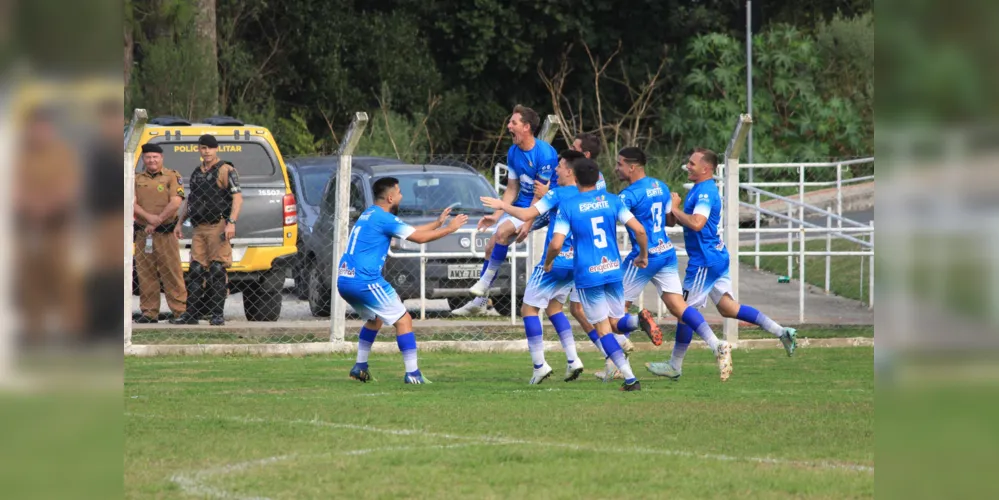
(703, 196)
(606, 265)
(720, 247)
(597, 204)
(345, 272)
(365, 216)
(662, 246)
(567, 254)
(656, 191)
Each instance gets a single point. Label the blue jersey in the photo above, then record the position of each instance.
(538, 164)
(601, 183)
(368, 244)
(704, 247)
(649, 200)
(550, 201)
(591, 218)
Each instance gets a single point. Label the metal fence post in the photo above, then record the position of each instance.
(341, 216)
(828, 248)
(730, 216)
(790, 240)
(135, 128)
(801, 274)
(870, 274)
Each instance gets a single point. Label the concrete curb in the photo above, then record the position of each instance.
(446, 345)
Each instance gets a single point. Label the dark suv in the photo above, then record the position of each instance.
(426, 190)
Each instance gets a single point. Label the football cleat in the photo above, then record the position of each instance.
(415, 378)
(634, 386)
(360, 373)
(790, 340)
(648, 324)
(664, 369)
(724, 357)
(540, 374)
(573, 371)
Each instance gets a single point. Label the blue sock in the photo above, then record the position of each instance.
(596, 341)
(616, 355)
(564, 330)
(684, 334)
(495, 262)
(751, 315)
(407, 345)
(697, 323)
(627, 324)
(532, 325)
(366, 338)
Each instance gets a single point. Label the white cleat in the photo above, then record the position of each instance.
(470, 309)
(573, 371)
(540, 374)
(724, 357)
(610, 371)
(480, 288)
(627, 347)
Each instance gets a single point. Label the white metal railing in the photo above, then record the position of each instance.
(853, 231)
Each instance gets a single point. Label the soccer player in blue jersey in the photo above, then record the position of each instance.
(529, 159)
(360, 280)
(549, 290)
(707, 269)
(650, 201)
(591, 218)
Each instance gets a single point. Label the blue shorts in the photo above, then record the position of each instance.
(663, 272)
(544, 287)
(372, 299)
(602, 301)
(701, 283)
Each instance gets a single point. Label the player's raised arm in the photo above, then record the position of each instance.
(517, 212)
(436, 223)
(511, 193)
(428, 235)
(694, 221)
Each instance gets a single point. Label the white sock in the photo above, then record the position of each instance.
(679, 351)
(537, 348)
(568, 345)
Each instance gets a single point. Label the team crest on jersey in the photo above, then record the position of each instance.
(606, 265)
(662, 246)
(345, 272)
(600, 202)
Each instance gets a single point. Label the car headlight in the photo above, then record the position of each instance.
(405, 245)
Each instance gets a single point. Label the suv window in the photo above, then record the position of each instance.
(255, 162)
(356, 197)
(429, 193)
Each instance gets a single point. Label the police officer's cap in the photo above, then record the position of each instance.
(152, 148)
(208, 140)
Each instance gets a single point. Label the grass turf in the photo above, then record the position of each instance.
(299, 428)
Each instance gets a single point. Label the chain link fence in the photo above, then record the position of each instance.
(289, 302)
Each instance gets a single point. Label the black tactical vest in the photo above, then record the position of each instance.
(207, 202)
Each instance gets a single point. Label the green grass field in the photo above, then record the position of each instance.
(249, 427)
(844, 272)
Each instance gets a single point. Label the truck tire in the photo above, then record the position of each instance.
(262, 299)
(319, 294)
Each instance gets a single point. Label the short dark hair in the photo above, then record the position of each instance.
(528, 116)
(589, 143)
(570, 155)
(382, 186)
(586, 171)
(709, 156)
(633, 155)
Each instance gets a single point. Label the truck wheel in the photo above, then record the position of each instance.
(319, 294)
(262, 300)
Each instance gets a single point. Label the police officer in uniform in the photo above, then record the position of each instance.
(213, 208)
(159, 192)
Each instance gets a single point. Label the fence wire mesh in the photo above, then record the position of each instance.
(276, 298)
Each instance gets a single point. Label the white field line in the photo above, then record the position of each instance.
(194, 483)
(504, 440)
